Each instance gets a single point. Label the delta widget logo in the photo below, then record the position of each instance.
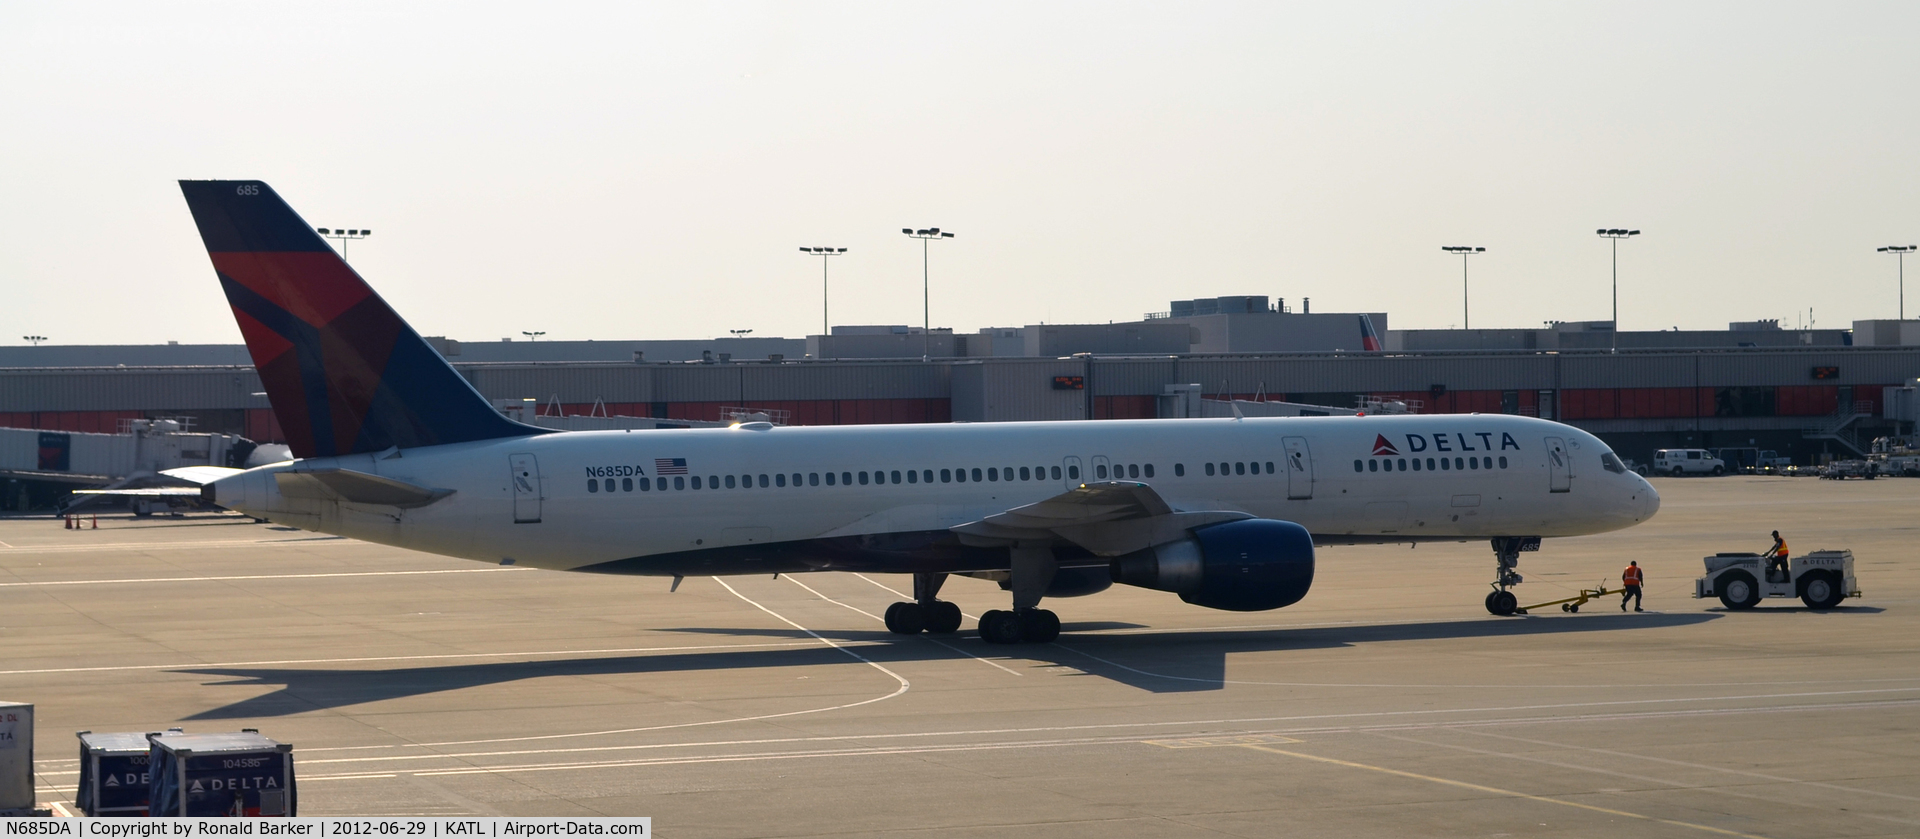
(1381, 447)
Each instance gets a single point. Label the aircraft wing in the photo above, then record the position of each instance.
(1108, 519)
(182, 483)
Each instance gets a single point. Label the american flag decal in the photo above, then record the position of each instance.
(669, 466)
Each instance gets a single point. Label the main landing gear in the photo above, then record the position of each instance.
(924, 614)
(1033, 568)
(1506, 552)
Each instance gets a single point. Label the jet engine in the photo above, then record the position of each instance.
(1249, 565)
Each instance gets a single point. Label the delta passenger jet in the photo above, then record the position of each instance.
(394, 446)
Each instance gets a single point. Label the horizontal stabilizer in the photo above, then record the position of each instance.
(357, 488)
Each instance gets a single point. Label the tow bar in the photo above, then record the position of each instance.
(1569, 604)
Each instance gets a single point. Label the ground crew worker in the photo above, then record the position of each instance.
(1631, 579)
(1777, 558)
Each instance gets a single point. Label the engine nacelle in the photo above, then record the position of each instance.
(1249, 565)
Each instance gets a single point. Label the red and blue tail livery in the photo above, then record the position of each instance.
(1369, 339)
(344, 373)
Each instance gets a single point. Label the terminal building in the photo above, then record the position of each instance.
(1808, 394)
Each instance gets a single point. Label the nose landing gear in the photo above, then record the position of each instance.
(1506, 554)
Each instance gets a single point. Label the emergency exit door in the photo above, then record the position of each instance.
(1299, 468)
(1559, 468)
(526, 488)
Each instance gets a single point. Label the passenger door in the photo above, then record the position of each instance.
(1102, 471)
(1071, 476)
(526, 488)
(1559, 468)
(1299, 468)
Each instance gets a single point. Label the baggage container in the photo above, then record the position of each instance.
(226, 774)
(113, 774)
(16, 757)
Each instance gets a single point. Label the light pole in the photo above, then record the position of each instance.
(1616, 234)
(344, 236)
(33, 339)
(533, 336)
(1464, 251)
(823, 253)
(926, 306)
(1901, 251)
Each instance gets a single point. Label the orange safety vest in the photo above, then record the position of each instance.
(1782, 552)
(1631, 576)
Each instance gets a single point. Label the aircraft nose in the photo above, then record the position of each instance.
(1649, 500)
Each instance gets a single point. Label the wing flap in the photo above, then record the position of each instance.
(1108, 519)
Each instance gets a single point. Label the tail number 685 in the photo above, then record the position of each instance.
(247, 189)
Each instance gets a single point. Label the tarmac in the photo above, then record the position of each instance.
(1387, 703)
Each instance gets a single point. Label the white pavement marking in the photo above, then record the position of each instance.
(883, 620)
(436, 657)
(153, 546)
(904, 685)
(1672, 785)
(1741, 772)
(1055, 742)
(263, 577)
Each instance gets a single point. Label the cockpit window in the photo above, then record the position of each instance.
(1612, 463)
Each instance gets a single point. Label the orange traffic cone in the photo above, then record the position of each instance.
(69, 521)
(96, 521)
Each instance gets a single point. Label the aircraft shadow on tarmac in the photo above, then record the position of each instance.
(1160, 662)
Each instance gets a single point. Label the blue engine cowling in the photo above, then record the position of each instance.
(1249, 565)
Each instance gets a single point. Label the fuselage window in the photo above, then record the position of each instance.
(696, 481)
(1056, 473)
(1269, 467)
(1373, 465)
(780, 479)
(1099, 470)
(830, 479)
(863, 478)
(1180, 470)
(729, 482)
(1239, 469)
(626, 484)
(1503, 461)
(713, 482)
(646, 484)
(960, 476)
(946, 476)
(1445, 464)
(593, 484)
(976, 476)
(1416, 464)
(1149, 470)
(763, 482)
(1457, 465)
(1403, 464)
(913, 476)
(1073, 472)
(846, 479)
(1133, 470)
(679, 483)
(1473, 462)
(1225, 468)
(1429, 464)
(926, 476)
(1025, 474)
(1356, 468)
(993, 474)
(813, 479)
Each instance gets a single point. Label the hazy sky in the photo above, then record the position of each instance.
(631, 170)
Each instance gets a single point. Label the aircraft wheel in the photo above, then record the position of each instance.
(1820, 590)
(1503, 603)
(943, 618)
(998, 626)
(1490, 596)
(1572, 608)
(1039, 626)
(906, 618)
(1738, 590)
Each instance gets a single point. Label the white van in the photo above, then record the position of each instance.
(1687, 462)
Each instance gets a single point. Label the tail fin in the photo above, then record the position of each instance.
(343, 372)
(1369, 339)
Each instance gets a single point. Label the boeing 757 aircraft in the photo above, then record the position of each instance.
(394, 446)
